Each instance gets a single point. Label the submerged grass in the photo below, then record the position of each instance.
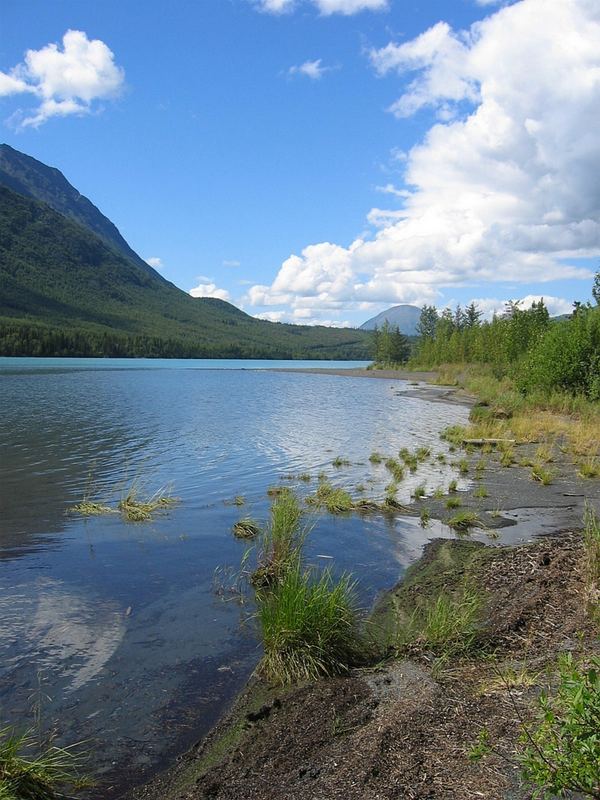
(246, 528)
(309, 626)
(90, 509)
(30, 773)
(138, 508)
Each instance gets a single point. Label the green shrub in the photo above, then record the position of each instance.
(561, 750)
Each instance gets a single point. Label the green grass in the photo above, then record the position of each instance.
(542, 475)
(375, 458)
(280, 542)
(309, 627)
(425, 517)
(422, 453)
(396, 469)
(455, 434)
(136, 507)
(90, 509)
(438, 492)
(28, 772)
(419, 492)
(453, 486)
(334, 500)
(453, 502)
(589, 469)
(463, 466)
(410, 459)
(445, 625)
(305, 477)
(338, 461)
(239, 500)
(481, 492)
(507, 459)
(462, 521)
(246, 528)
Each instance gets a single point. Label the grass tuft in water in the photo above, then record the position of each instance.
(280, 542)
(396, 469)
(309, 626)
(338, 461)
(453, 502)
(30, 773)
(90, 509)
(335, 500)
(245, 528)
(542, 475)
(137, 508)
(375, 458)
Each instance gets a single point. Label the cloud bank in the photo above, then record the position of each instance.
(502, 188)
(66, 80)
(324, 7)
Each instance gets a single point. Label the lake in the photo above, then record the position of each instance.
(127, 635)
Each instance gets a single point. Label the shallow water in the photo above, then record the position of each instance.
(117, 633)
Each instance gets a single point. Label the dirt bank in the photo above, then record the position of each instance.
(405, 728)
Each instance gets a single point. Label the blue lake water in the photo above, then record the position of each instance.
(125, 635)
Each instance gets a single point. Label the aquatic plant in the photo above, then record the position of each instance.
(396, 468)
(90, 509)
(463, 466)
(335, 500)
(438, 492)
(422, 453)
(137, 508)
(309, 626)
(453, 486)
(239, 500)
(453, 502)
(375, 458)
(280, 541)
(419, 492)
(305, 477)
(338, 461)
(28, 772)
(276, 491)
(425, 517)
(481, 492)
(246, 528)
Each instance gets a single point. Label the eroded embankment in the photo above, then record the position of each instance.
(406, 726)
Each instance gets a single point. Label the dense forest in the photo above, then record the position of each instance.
(539, 353)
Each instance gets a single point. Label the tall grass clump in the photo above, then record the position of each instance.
(30, 773)
(309, 626)
(445, 625)
(280, 542)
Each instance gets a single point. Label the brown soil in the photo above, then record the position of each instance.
(404, 729)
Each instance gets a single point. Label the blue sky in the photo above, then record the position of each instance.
(223, 138)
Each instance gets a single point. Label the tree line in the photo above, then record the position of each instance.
(538, 352)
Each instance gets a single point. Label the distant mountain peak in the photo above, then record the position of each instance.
(406, 317)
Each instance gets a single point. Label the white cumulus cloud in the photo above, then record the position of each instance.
(65, 80)
(503, 188)
(210, 290)
(555, 305)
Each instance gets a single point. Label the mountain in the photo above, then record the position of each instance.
(71, 285)
(29, 177)
(405, 317)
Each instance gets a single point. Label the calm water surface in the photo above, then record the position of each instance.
(116, 633)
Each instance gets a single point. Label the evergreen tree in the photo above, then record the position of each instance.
(472, 315)
(428, 321)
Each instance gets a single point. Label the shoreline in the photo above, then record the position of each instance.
(231, 760)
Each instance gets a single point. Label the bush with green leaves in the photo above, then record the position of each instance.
(562, 748)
